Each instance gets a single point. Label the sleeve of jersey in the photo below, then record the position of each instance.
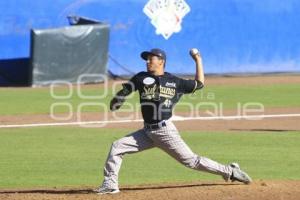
(130, 86)
(190, 86)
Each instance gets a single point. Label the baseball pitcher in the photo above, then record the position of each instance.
(159, 91)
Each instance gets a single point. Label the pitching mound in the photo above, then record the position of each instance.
(259, 190)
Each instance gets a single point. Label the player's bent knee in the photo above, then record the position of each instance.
(116, 145)
(119, 147)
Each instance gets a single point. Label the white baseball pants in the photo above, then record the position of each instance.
(166, 138)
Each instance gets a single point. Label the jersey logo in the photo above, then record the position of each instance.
(150, 93)
(150, 89)
(171, 85)
(167, 92)
(148, 81)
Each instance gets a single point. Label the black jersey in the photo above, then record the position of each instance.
(159, 94)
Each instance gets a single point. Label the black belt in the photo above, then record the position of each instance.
(155, 126)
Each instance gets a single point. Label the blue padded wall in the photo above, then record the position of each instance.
(234, 36)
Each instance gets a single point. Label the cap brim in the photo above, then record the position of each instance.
(145, 54)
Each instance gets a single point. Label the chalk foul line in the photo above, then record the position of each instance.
(175, 118)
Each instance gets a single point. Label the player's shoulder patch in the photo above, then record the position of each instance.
(148, 80)
(144, 78)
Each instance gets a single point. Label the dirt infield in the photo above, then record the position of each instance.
(260, 190)
(264, 124)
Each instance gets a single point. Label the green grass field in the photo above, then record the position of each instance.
(73, 156)
(60, 157)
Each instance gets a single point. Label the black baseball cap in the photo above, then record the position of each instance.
(154, 52)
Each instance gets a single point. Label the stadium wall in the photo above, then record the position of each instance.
(234, 36)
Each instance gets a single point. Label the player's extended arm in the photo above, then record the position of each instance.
(199, 76)
(119, 99)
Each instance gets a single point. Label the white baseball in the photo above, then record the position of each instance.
(194, 51)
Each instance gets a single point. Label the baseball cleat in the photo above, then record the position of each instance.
(239, 175)
(104, 190)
